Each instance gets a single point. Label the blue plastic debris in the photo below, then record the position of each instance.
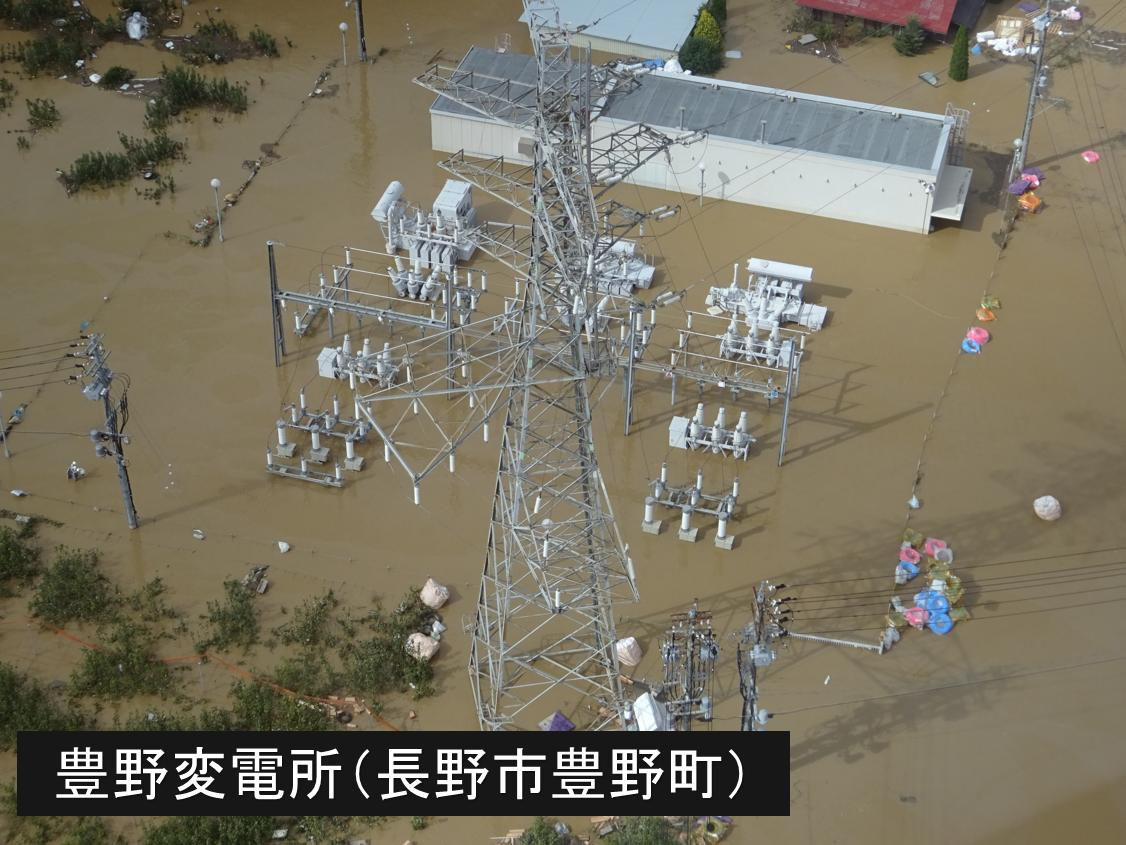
(940, 623)
(971, 347)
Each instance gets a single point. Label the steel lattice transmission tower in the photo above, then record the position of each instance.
(543, 634)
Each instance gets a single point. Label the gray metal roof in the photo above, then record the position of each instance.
(663, 24)
(800, 121)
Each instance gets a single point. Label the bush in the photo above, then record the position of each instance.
(126, 666)
(542, 832)
(7, 90)
(852, 31)
(801, 20)
(309, 673)
(264, 43)
(103, 170)
(708, 29)
(65, 830)
(233, 622)
(26, 706)
(381, 664)
(19, 559)
(74, 590)
(41, 114)
(214, 830)
(909, 40)
(30, 14)
(312, 623)
(185, 88)
(116, 76)
(258, 707)
(960, 58)
(825, 32)
(643, 830)
(700, 56)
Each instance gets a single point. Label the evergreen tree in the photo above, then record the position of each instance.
(718, 8)
(960, 58)
(708, 29)
(700, 56)
(909, 40)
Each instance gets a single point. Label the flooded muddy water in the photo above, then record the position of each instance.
(1009, 727)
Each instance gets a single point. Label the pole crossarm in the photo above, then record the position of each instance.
(498, 98)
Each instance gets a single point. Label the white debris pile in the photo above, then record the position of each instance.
(433, 594)
(628, 651)
(422, 647)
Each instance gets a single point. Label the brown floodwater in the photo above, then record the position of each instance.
(1007, 729)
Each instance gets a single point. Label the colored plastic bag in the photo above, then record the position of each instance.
(971, 347)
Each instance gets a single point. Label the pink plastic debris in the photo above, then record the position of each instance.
(932, 545)
(909, 555)
(1090, 156)
(978, 335)
(916, 617)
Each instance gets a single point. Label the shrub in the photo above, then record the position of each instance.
(909, 40)
(258, 707)
(542, 832)
(801, 20)
(214, 830)
(185, 88)
(960, 58)
(312, 623)
(718, 9)
(7, 90)
(381, 664)
(41, 114)
(75, 590)
(643, 830)
(124, 667)
(708, 29)
(825, 32)
(19, 559)
(264, 43)
(700, 56)
(31, 14)
(65, 830)
(852, 31)
(26, 706)
(103, 170)
(234, 621)
(116, 76)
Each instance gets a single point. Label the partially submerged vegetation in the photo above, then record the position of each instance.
(75, 590)
(117, 76)
(218, 42)
(42, 114)
(38, 830)
(106, 169)
(184, 88)
(232, 621)
(19, 561)
(125, 665)
(25, 705)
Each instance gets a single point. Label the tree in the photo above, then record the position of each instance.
(718, 8)
(909, 40)
(708, 29)
(700, 56)
(960, 58)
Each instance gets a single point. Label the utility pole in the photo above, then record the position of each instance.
(110, 442)
(1020, 154)
(768, 623)
(361, 38)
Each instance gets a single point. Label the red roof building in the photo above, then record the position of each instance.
(934, 15)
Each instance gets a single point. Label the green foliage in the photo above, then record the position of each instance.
(708, 29)
(184, 88)
(213, 830)
(23, 144)
(75, 590)
(700, 56)
(19, 559)
(39, 830)
(309, 673)
(825, 32)
(125, 666)
(27, 706)
(718, 9)
(909, 41)
(55, 51)
(381, 664)
(111, 27)
(264, 43)
(208, 719)
(419, 822)
(542, 832)
(312, 623)
(30, 14)
(643, 830)
(258, 707)
(852, 31)
(233, 622)
(148, 602)
(960, 58)
(116, 76)
(42, 114)
(801, 20)
(7, 93)
(103, 170)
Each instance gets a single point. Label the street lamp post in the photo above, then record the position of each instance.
(701, 184)
(344, 41)
(215, 183)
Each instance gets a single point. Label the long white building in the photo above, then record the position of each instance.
(781, 149)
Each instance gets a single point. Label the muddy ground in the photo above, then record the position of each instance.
(1009, 729)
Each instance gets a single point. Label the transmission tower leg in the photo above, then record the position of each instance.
(786, 407)
(275, 308)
